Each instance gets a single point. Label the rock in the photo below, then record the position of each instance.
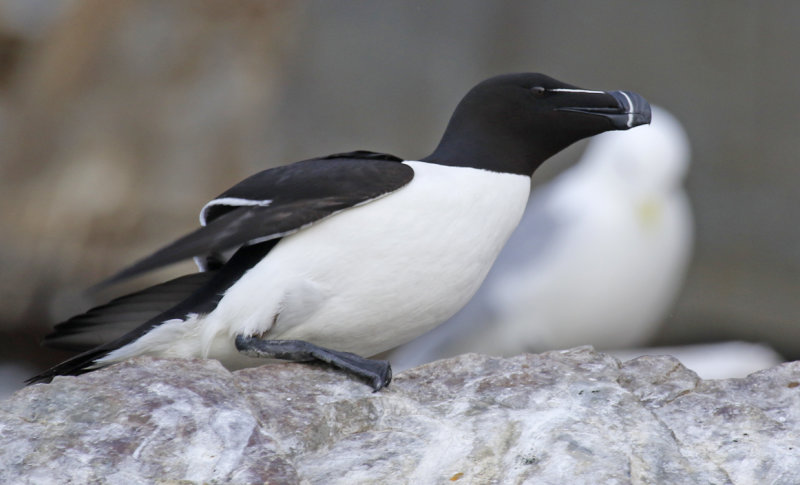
(574, 416)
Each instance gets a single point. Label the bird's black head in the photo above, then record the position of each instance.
(514, 122)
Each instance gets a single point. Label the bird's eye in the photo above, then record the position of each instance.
(538, 90)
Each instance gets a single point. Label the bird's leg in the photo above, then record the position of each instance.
(378, 373)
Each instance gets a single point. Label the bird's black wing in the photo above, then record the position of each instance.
(280, 201)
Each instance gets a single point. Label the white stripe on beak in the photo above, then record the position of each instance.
(630, 108)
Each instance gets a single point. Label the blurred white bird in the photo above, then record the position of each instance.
(598, 258)
(721, 360)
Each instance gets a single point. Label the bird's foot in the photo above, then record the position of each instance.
(378, 373)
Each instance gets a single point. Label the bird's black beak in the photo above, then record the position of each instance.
(631, 110)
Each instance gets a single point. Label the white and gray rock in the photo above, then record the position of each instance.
(575, 417)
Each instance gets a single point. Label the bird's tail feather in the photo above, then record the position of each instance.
(110, 321)
(77, 365)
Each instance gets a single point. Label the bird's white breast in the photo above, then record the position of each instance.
(377, 275)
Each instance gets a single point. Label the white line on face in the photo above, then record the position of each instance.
(567, 90)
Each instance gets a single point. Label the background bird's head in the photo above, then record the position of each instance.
(652, 159)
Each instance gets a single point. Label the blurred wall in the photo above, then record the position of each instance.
(119, 118)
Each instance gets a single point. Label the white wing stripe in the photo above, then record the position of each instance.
(231, 201)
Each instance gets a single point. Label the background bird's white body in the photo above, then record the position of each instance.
(598, 259)
(608, 283)
(366, 279)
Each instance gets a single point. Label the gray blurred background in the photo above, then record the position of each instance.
(120, 118)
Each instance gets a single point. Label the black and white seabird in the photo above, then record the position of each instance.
(352, 254)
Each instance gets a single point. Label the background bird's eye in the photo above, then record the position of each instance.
(538, 90)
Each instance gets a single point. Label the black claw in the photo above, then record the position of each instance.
(378, 373)
(384, 378)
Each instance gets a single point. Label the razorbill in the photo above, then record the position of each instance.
(349, 255)
(598, 257)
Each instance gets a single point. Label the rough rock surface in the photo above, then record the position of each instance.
(574, 417)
